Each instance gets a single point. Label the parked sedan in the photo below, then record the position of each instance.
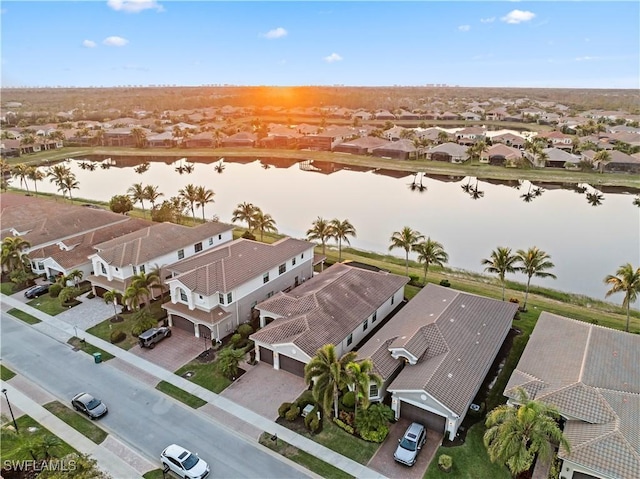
(87, 404)
(184, 463)
(35, 291)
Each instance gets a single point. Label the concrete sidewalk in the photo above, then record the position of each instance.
(256, 420)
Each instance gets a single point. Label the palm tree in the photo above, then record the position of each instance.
(135, 295)
(476, 150)
(341, 230)
(190, 194)
(405, 239)
(21, 171)
(602, 158)
(146, 281)
(443, 137)
(35, 175)
(112, 297)
(361, 375)
(328, 374)
(595, 198)
(14, 252)
(204, 196)
(430, 252)
(263, 222)
(244, 212)
(627, 280)
(515, 435)
(229, 360)
(69, 183)
(76, 276)
(501, 262)
(534, 263)
(138, 195)
(320, 231)
(152, 194)
(139, 137)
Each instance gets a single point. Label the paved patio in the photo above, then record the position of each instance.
(384, 463)
(174, 352)
(263, 389)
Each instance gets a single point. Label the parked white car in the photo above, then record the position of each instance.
(184, 463)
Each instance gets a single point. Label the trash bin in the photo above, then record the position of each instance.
(97, 357)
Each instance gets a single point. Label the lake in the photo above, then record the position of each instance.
(589, 233)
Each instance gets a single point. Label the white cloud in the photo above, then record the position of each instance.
(115, 41)
(134, 6)
(334, 57)
(88, 43)
(586, 58)
(488, 20)
(464, 28)
(518, 16)
(276, 33)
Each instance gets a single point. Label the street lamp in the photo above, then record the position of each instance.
(4, 391)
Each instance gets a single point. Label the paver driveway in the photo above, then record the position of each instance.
(174, 352)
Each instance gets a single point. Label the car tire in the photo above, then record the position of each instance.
(152, 345)
(169, 334)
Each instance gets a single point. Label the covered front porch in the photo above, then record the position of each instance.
(215, 324)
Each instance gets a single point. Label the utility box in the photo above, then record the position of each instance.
(97, 357)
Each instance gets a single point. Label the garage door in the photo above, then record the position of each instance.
(429, 419)
(100, 291)
(291, 365)
(266, 355)
(182, 323)
(204, 331)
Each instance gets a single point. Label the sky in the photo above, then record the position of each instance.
(545, 44)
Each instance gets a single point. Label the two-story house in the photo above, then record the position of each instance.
(214, 292)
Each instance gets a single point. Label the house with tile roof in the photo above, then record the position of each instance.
(590, 374)
(212, 293)
(340, 306)
(361, 146)
(398, 150)
(449, 152)
(510, 139)
(434, 355)
(116, 261)
(500, 154)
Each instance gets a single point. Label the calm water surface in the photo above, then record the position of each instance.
(585, 242)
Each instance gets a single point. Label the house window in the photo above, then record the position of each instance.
(265, 278)
(269, 294)
(365, 325)
(229, 298)
(220, 298)
(198, 247)
(142, 269)
(293, 262)
(375, 316)
(103, 269)
(302, 256)
(219, 237)
(392, 299)
(183, 296)
(200, 297)
(135, 270)
(349, 339)
(373, 391)
(282, 268)
(210, 241)
(180, 254)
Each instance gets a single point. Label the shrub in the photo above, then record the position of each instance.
(445, 283)
(249, 236)
(414, 280)
(348, 417)
(343, 426)
(245, 330)
(349, 400)
(236, 339)
(305, 399)
(377, 435)
(117, 336)
(54, 290)
(445, 462)
(284, 407)
(292, 413)
(514, 300)
(315, 424)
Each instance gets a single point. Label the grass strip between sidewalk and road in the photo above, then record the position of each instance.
(6, 373)
(305, 459)
(80, 423)
(12, 446)
(181, 395)
(22, 316)
(154, 474)
(89, 348)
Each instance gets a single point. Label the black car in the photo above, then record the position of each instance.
(87, 404)
(35, 291)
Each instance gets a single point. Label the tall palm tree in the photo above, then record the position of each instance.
(112, 297)
(320, 231)
(430, 252)
(146, 281)
(13, 252)
(21, 171)
(158, 273)
(138, 194)
(204, 196)
(76, 276)
(35, 175)
(501, 262)
(405, 239)
(534, 263)
(190, 194)
(328, 374)
(152, 194)
(69, 183)
(139, 137)
(263, 222)
(361, 375)
(602, 158)
(515, 435)
(134, 296)
(244, 212)
(57, 173)
(341, 230)
(627, 280)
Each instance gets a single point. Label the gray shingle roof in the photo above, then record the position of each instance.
(591, 374)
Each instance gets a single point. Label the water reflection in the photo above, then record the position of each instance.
(530, 195)
(414, 186)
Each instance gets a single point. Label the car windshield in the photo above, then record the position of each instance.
(190, 461)
(94, 403)
(408, 444)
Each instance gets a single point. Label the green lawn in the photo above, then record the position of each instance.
(470, 461)
(7, 288)
(305, 459)
(26, 317)
(47, 304)
(89, 348)
(80, 423)
(10, 449)
(154, 474)
(181, 395)
(6, 373)
(206, 375)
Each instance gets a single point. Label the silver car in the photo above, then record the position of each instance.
(87, 404)
(410, 444)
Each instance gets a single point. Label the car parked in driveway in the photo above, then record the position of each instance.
(37, 290)
(150, 337)
(410, 444)
(89, 405)
(184, 463)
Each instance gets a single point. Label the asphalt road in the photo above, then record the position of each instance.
(145, 419)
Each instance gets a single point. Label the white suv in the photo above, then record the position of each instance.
(183, 463)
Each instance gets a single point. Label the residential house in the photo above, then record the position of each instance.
(618, 162)
(500, 155)
(510, 139)
(449, 152)
(407, 115)
(470, 116)
(397, 150)
(395, 133)
(363, 115)
(557, 139)
(206, 139)
(590, 374)
(241, 139)
(116, 261)
(384, 115)
(10, 148)
(435, 353)
(340, 306)
(557, 158)
(214, 292)
(447, 115)
(120, 137)
(361, 146)
(470, 135)
(161, 140)
(496, 114)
